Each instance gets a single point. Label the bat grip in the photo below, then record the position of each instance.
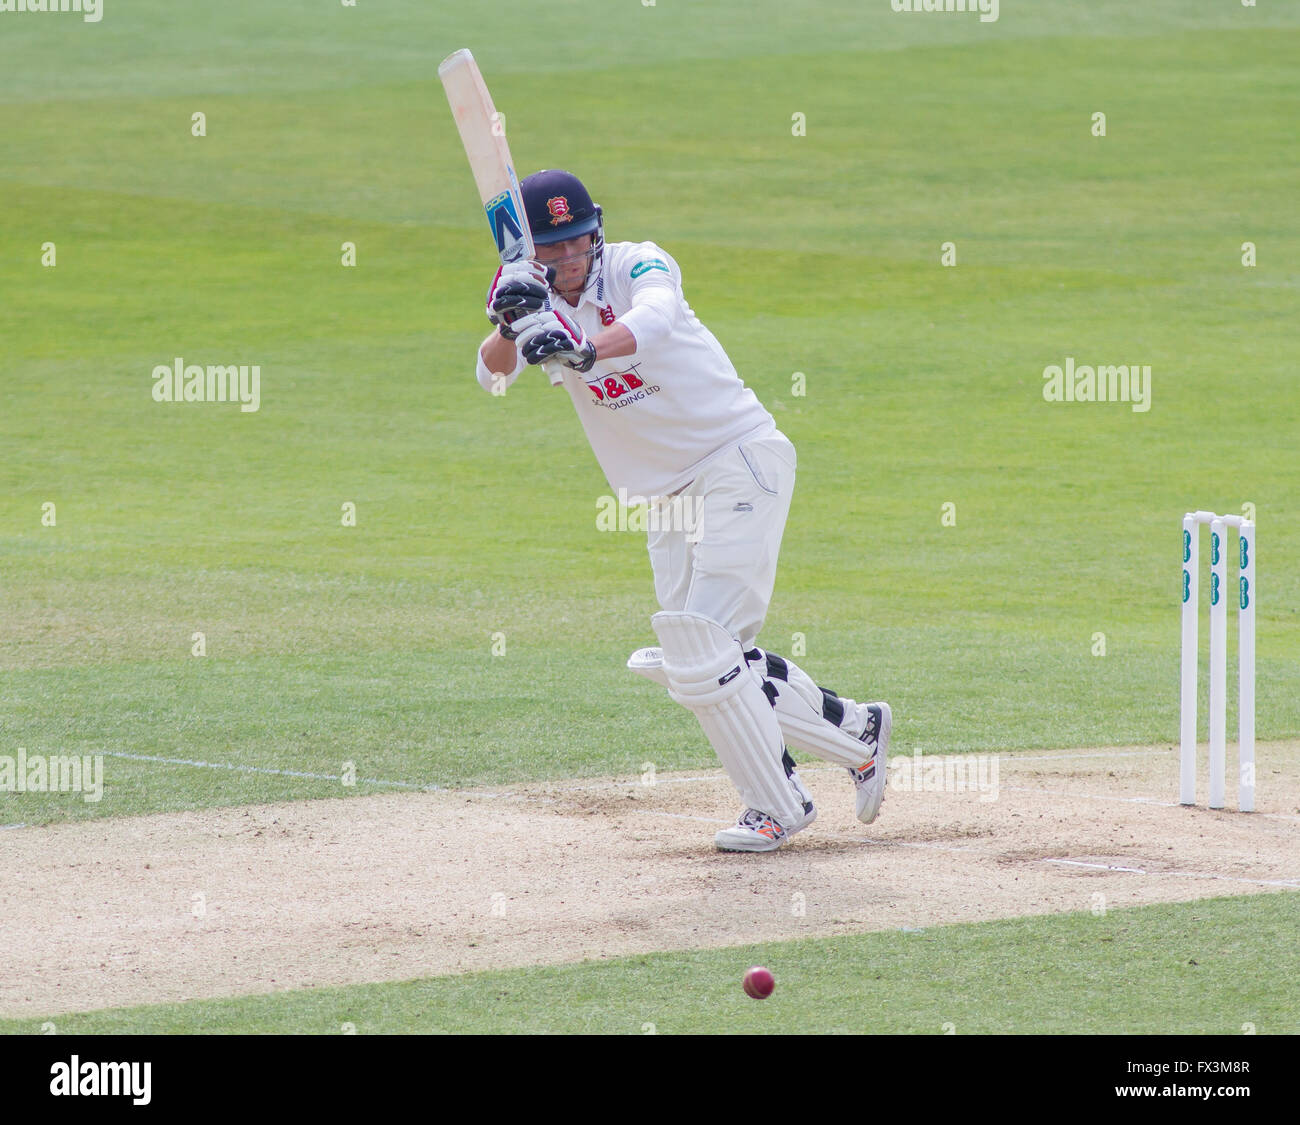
(554, 370)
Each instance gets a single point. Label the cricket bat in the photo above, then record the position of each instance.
(484, 138)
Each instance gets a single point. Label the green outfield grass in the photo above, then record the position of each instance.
(1190, 968)
(476, 515)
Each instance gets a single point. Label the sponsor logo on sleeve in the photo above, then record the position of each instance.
(648, 265)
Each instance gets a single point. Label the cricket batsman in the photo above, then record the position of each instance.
(669, 419)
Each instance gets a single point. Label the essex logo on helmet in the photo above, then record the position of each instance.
(559, 209)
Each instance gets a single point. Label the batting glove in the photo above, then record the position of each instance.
(549, 335)
(518, 290)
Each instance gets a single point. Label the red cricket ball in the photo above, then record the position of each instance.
(759, 983)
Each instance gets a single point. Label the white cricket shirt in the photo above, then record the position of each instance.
(654, 418)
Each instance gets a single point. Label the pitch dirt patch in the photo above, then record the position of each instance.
(391, 887)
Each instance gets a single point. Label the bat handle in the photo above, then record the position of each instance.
(554, 372)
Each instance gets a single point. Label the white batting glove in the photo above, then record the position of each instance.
(551, 335)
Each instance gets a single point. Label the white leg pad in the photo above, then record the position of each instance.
(799, 704)
(708, 675)
(805, 729)
(797, 709)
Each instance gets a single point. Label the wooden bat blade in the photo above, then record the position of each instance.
(484, 138)
(489, 155)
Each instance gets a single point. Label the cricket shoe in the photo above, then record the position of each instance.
(760, 832)
(869, 778)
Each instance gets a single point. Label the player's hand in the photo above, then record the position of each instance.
(550, 335)
(519, 289)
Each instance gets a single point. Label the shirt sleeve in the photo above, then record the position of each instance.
(654, 283)
(485, 377)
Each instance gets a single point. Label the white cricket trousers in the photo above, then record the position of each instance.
(720, 561)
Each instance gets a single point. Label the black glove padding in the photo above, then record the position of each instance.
(527, 295)
(518, 290)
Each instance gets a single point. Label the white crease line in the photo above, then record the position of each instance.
(1177, 874)
(1098, 866)
(1013, 756)
(1089, 796)
(1133, 800)
(1277, 816)
(267, 769)
(641, 784)
(600, 786)
(616, 785)
(1010, 757)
